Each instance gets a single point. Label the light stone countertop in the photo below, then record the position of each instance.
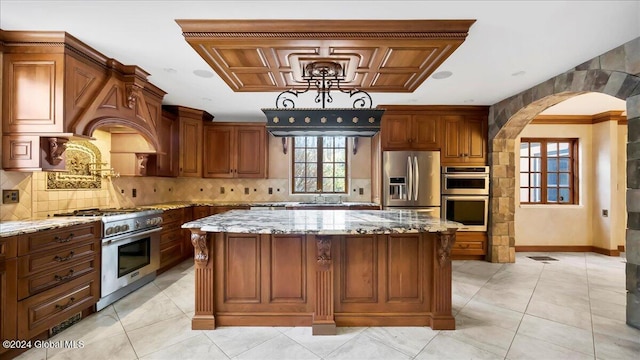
(19, 227)
(324, 222)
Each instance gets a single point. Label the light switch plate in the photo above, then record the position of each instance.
(10, 196)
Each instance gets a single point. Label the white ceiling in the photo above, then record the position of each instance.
(540, 38)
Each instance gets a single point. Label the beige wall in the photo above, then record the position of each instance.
(602, 167)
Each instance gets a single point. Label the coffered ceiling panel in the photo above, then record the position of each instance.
(377, 55)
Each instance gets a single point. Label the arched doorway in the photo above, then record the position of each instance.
(614, 73)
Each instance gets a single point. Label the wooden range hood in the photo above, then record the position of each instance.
(55, 86)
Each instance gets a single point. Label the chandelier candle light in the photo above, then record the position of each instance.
(287, 120)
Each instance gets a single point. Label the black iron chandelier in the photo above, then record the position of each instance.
(287, 120)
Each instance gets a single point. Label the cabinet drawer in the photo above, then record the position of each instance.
(8, 247)
(54, 260)
(42, 311)
(172, 215)
(175, 235)
(45, 280)
(171, 254)
(52, 239)
(468, 248)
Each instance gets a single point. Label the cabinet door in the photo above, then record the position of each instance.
(8, 301)
(396, 132)
(166, 164)
(453, 139)
(190, 147)
(250, 152)
(33, 92)
(476, 145)
(218, 151)
(425, 131)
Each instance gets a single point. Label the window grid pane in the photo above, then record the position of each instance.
(546, 171)
(320, 164)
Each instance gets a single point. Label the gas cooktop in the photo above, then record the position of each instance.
(99, 212)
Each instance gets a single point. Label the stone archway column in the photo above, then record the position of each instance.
(633, 211)
(502, 203)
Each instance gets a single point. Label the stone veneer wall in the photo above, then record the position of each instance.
(615, 73)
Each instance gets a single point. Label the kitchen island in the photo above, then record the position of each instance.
(322, 268)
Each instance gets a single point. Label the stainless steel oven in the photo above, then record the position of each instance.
(465, 180)
(128, 258)
(470, 210)
(130, 253)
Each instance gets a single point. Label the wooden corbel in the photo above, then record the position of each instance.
(54, 148)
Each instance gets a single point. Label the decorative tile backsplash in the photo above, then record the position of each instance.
(156, 190)
(82, 158)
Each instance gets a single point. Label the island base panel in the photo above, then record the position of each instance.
(257, 319)
(323, 328)
(285, 280)
(200, 322)
(443, 323)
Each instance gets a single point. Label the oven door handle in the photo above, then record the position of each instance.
(130, 235)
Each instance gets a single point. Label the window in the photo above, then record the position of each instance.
(319, 164)
(548, 171)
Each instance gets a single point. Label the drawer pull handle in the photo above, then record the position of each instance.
(66, 277)
(61, 259)
(69, 303)
(464, 246)
(61, 240)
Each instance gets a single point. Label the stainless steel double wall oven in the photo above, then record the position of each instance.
(465, 196)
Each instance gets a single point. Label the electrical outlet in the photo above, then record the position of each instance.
(10, 196)
(134, 192)
(605, 212)
(270, 191)
(246, 191)
(221, 189)
(361, 191)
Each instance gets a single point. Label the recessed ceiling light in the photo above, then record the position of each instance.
(442, 75)
(519, 73)
(203, 73)
(170, 70)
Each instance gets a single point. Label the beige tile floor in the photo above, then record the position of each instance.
(573, 308)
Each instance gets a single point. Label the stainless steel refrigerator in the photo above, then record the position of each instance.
(411, 180)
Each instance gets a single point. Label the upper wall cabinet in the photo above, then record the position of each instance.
(410, 131)
(465, 140)
(459, 132)
(55, 86)
(166, 163)
(189, 139)
(235, 150)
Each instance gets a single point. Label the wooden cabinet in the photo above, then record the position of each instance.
(464, 140)
(459, 132)
(166, 163)
(235, 150)
(54, 86)
(410, 131)
(469, 245)
(190, 155)
(8, 300)
(58, 275)
(189, 138)
(173, 247)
